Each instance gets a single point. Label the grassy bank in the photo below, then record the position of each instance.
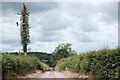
(98, 64)
(21, 64)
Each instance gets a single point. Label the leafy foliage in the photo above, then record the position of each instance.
(20, 64)
(62, 51)
(99, 64)
(44, 57)
(24, 28)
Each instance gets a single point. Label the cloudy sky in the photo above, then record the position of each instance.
(86, 25)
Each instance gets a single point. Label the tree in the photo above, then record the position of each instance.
(24, 28)
(62, 51)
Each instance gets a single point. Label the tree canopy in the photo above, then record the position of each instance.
(62, 51)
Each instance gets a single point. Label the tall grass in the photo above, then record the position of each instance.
(98, 64)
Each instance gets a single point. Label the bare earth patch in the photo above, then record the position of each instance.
(52, 74)
(74, 75)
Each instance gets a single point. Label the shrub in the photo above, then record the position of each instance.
(21, 64)
(98, 64)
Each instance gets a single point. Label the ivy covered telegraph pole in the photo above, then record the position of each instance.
(24, 28)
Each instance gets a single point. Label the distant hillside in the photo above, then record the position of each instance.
(40, 55)
(43, 56)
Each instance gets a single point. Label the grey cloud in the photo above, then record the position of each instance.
(12, 19)
(55, 20)
(42, 6)
(88, 8)
(103, 12)
(10, 39)
(7, 49)
(79, 9)
(89, 25)
(109, 12)
(49, 38)
(52, 23)
(9, 8)
(49, 33)
(0, 9)
(33, 7)
(85, 19)
(10, 34)
(84, 38)
(10, 48)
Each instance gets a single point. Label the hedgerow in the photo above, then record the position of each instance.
(98, 64)
(21, 64)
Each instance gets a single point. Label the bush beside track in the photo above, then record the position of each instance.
(97, 64)
(21, 64)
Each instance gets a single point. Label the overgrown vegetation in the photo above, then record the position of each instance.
(21, 65)
(61, 51)
(43, 56)
(98, 64)
(24, 28)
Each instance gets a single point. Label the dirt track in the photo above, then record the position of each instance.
(52, 74)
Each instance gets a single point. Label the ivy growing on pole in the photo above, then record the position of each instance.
(24, 28)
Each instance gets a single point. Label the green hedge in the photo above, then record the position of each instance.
(21, 64)
(98, 64)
